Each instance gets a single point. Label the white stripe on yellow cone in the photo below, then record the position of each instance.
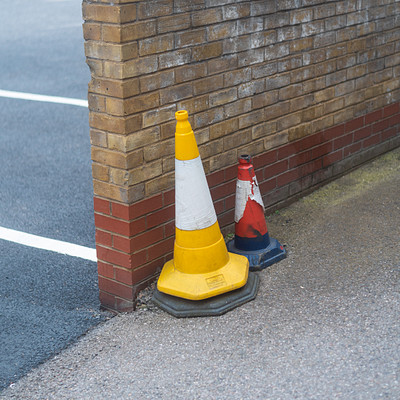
(193, 204)
(202, 266)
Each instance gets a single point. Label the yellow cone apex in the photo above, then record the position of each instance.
(202, 266)
(185, 142)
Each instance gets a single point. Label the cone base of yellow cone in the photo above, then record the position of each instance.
(210, 307)
(198, 286)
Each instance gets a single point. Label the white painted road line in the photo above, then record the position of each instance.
(43, 243)
(40, 97)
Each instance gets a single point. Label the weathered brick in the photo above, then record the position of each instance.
(110, 51)
(221, 31)
(262, 39)
(128, 32)
(265, 99)
(100, 172)
(222, 97)
(209, 117)
(300, 16)
(191, 72)
(132, 105)
(288, 33)
(324, 39)
(277, 110)
(239, 107)
(130, 69)
(250, 57)
(166, 181)
(156, 81)
(217, 162)
(251, 119)
(162, 114)
(277, 81)
(115, 124)
(235, 11)
(275, 140)
(209, 84)
(154, 8)
(133, 141)
(263, 130)
(157, 44)
(98, 138)
(190, 38)
(236, 44)
(290, 63)
(262, 7)
(335, 23)
(251, 88)
(159, 150)
(174, 58)
(303, 44)
(207, 51)
(91, 31)
(289, 120)
(183, 5)
(115, 88)
(96, 103)
(224, 128)
(207, 17)
(195, 105)
(276, 20)
(210, 149)
(301, 102)
(222, 64)
(173, 23)
(175, 93)
(291, 91)
(123, 177)
(237, 76)
(109, 13)
(253, 147)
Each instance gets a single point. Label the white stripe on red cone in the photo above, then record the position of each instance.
(246, 190)
(194, 208)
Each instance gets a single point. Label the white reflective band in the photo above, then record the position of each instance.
(194, 208)
(246, 190)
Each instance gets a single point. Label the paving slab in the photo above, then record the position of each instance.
(324, 325)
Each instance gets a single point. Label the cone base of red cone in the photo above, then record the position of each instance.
(212, 306)
(263, 258)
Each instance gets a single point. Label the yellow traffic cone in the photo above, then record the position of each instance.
(202, 268)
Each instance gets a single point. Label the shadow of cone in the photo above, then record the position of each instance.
(203, 278)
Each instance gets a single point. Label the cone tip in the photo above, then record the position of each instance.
(181, 115)
(245, 159)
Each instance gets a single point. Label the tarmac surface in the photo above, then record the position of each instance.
(325, 323)
(47, 299)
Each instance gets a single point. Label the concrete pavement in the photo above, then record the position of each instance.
(325, 323)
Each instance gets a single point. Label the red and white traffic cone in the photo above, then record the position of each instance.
(251, 234)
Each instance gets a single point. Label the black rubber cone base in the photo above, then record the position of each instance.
(263, 258)
(212, 306)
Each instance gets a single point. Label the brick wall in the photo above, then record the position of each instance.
(310, 88)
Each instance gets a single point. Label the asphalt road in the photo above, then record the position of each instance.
(47, 299)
